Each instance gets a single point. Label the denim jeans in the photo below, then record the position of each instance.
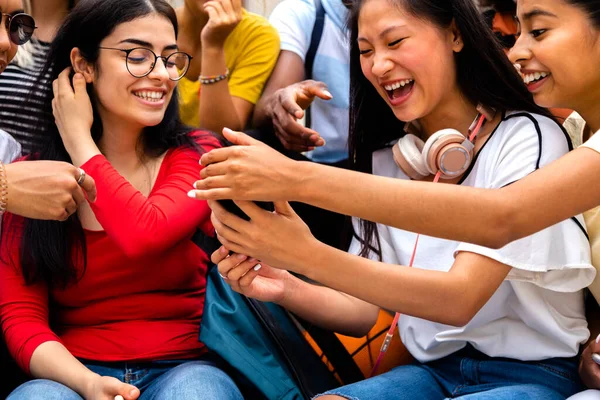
(160, 380)
(469, 374)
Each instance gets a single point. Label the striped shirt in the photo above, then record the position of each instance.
(22, 120)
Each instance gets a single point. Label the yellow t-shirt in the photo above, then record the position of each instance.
(592, 221)
(251, 52)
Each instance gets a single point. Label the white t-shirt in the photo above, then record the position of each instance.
(538, 311)
(294, 20)
(593, 142)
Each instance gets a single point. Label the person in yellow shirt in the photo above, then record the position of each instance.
(234, 53)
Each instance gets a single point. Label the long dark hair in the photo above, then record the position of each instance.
(484, 75)
(51, 250)
(590, 7)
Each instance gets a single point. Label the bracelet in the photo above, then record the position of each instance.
(208, 80)
(3, 189)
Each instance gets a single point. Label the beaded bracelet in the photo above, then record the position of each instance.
(208, 80)
(3, 189)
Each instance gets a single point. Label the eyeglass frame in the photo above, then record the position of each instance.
(156, 57)
(9, 19)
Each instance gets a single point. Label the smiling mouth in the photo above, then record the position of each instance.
(399, 89)
(151, 96)
(535, 77)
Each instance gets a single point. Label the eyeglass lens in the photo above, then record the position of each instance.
(140, 62)
(20, 28)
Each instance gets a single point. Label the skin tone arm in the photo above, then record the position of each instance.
(284, 100)
(283, 241)
(344, 313)
(221, 109)
(491, 218)
(51, 360)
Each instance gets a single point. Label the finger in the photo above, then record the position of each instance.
(288, 141)
(240, 138)
(78, 196)
(55, 87)
(224, 217)
(230, 264)
(216, 156)
(238, 271)
(89, 185)
(319, 89)
(115, 387)
(213, 14)
(251, 209)
(209, 194)
(237, 7)
(228, 10)
(79, 85)
(224, 231)
(219, 13)
(219, 255)
(234, 247)
(71, 206)
(214, 170)
(284, 208)
(64, 83)
(291, 129)
(246, 280)
(289, 104)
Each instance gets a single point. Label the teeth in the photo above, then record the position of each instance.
(149, 95)
(397, 85)
(528, 78)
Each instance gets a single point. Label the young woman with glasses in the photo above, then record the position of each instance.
(109, 302)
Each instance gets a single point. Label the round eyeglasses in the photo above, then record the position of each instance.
(20, 27)
(140, 61)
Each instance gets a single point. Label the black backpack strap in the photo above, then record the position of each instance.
(315, 39)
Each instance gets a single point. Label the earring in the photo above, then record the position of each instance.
(458, 42)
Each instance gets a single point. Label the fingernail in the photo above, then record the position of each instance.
(119, 397)
(326, 93)
(257, 267)
(227, 130)
(241, 257)
(598, 339)
(192, 194)
(133, 392)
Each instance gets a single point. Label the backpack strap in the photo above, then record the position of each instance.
(208, 244)
(315, 39)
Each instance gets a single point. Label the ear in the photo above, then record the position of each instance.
(81, 65)
(456, 37)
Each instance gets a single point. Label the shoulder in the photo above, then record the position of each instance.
(255, 26)
(294, 11)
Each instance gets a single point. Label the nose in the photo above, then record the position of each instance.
(160, 70)
(381, 65)
(520, 52)
(5, 42)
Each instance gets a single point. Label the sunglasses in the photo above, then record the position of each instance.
(20, 27)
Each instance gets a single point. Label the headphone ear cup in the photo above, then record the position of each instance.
(447, 152)
(408, 156)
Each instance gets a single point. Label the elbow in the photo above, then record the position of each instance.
(501, 228)
(460, 317)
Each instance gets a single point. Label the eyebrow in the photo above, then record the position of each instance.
(537, 13)
(147, 44)
(382, 34)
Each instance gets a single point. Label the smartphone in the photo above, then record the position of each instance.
(230, 206)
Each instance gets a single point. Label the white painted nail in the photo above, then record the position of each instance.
(119, 397)
(192, 194)
(598, 339)
(257, 267)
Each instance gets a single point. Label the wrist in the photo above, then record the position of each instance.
(89, 386)
(212, 48)
(290, 287)
(303, 181)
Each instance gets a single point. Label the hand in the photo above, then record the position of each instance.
(109, 388)
(280, 238)
(73, 114)
(248, 277)
(253, 171)
(46, 189)
(287, 105)
(223, 17)
(589, 371)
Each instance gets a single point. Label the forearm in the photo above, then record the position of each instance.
(432, 295)
(217, 110)
(262, 111)
(51, 360)
(491, 218)
(343, 313)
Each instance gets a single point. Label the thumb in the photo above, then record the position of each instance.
(283, 208)
(238, 138)
(79, 84)
(117, 388)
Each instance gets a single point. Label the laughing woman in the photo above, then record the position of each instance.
(109, 302)
(481, 323)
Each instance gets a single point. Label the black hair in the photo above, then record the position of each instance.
(591, 7)
(51, 250)
(484, 75)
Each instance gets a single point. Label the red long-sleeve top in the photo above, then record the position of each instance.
(142, 293)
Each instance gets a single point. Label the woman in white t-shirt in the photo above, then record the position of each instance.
(481, 323)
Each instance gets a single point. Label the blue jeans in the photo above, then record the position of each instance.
(469, 374)
(160, 380)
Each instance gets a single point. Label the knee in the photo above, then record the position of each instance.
(194, 380)
(43, 389)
